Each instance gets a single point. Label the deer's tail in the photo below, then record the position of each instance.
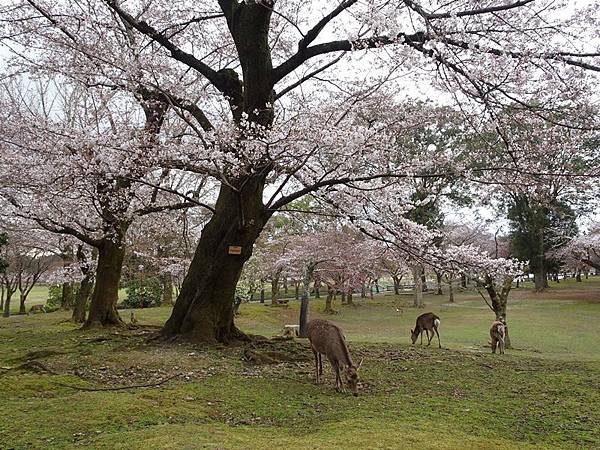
(436, 322)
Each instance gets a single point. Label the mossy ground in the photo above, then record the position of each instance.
(542, 394)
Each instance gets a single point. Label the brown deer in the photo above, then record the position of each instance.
(328, 339)
(498, 335)
(427, 322)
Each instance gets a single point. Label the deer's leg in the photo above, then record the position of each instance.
(494, 344)
(429, 338)
(421, 334)
(320, 364)
(438, 335)
(317, 357)
(338, 378)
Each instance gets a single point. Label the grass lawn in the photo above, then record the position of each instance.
(544, 393)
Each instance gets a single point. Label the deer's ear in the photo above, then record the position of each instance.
(360, 363)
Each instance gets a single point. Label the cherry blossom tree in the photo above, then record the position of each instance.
(82, 151)
(584, 249)
(29, 255)
(245, 80)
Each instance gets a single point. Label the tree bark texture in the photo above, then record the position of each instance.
(103, 306)
(204, 308)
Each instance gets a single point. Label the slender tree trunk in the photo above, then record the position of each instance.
(450, 291)
(167, 282)
(304, 306)
(329, 302)
(499, 301)
(349, 299)
(85, 288)
(262, 294)
(578, 276)
(396, 284)
(317, 289)
(22, 299)
(297, 290)
(103, 307)
(418, 290)
(463, 280)
(363, 291)
(204, 309)
(68, 295)
(285, 285)
(1, 297)
(439, 283)
(377, 286)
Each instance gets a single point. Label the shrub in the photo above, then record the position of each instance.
(143, 293)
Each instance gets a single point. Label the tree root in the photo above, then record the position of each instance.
(117, 388)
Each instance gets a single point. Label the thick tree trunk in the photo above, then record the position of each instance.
(343, 298)
(578, 276)
(262, 294)
(6, 312)
(418, 290)
(540, 279)
(350, 299)
(275, 290)
(68, 296)
(103, 307)
(329, 302)
(204, 309)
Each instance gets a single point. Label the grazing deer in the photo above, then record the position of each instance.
(37, 308)
(498, 335)
(328, 339)
(427, 322)
(132, 318)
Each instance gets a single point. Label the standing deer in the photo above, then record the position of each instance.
(427, 322)
(498, 335)
(328, 339)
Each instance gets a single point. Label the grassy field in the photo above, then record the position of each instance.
(544, 393)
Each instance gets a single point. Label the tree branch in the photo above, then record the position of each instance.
(313, 33)
(160, 208)
(188, 59)
(473, 12)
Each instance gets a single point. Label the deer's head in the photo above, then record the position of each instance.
(414, 335)
(352, 378)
